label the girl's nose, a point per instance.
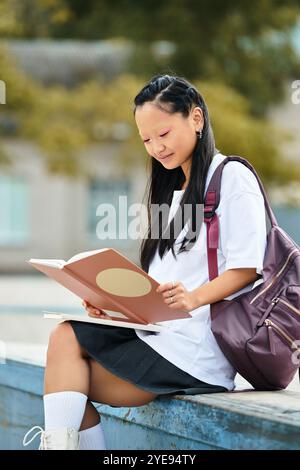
(160, 150)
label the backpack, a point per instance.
(258, 331)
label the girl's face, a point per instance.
(169, 138)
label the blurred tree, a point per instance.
(37, 18)
(64, 122)
(237, 132)
(247, 44)
(21, 93)
(9, 23)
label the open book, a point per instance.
(111, 282)
(102, 321)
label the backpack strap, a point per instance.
(211, 202)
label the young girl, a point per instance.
(124, 367)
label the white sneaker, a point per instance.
(55, 439)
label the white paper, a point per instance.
(102, 321)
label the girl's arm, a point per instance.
(224, 285)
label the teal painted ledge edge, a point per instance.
(216, 420)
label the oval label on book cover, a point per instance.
(123, 282)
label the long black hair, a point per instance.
(173, 94)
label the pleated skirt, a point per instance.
(124, 354)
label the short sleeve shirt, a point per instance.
(189, 343)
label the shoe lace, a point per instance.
(44, 442)
(40, 431)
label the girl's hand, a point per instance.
(93, 311)
(177, 297)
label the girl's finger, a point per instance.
(104, 315)
(101, 314)
(90, 311)
(93, 315)
(98, 315)
(96, 311)
(93, 312)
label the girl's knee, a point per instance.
(62, 339)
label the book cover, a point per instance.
(108, 280)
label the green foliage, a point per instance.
(21, 90)
(32, 18)
(238, 132)
(247, 44)
(64, 122)
(21, 94)
(9, 23)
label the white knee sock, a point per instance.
(64, 409)
(92, 438)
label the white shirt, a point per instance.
(189, 343)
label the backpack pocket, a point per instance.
(274, 328)
(286, 305)
(275, 346)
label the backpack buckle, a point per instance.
(209, 212)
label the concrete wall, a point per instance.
(238, 420)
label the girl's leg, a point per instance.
(67, 366)
(109, 389)
(91, 417)
(71, 377)
(91, 432)
(66, 381)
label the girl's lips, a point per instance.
(164, 158)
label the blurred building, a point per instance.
(46, 216)
(69, 62)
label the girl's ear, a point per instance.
(198, 119)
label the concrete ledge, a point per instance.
(236, 420)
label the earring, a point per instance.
(199, 134)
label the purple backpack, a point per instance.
(258, 331)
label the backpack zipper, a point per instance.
(272, 305)
(267, 312)
(294, 309)
(270, 324)
(275, 277)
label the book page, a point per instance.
(111, 313)
(56, 263)
(84, 254)
(102, 321)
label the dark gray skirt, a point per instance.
(124, 354)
